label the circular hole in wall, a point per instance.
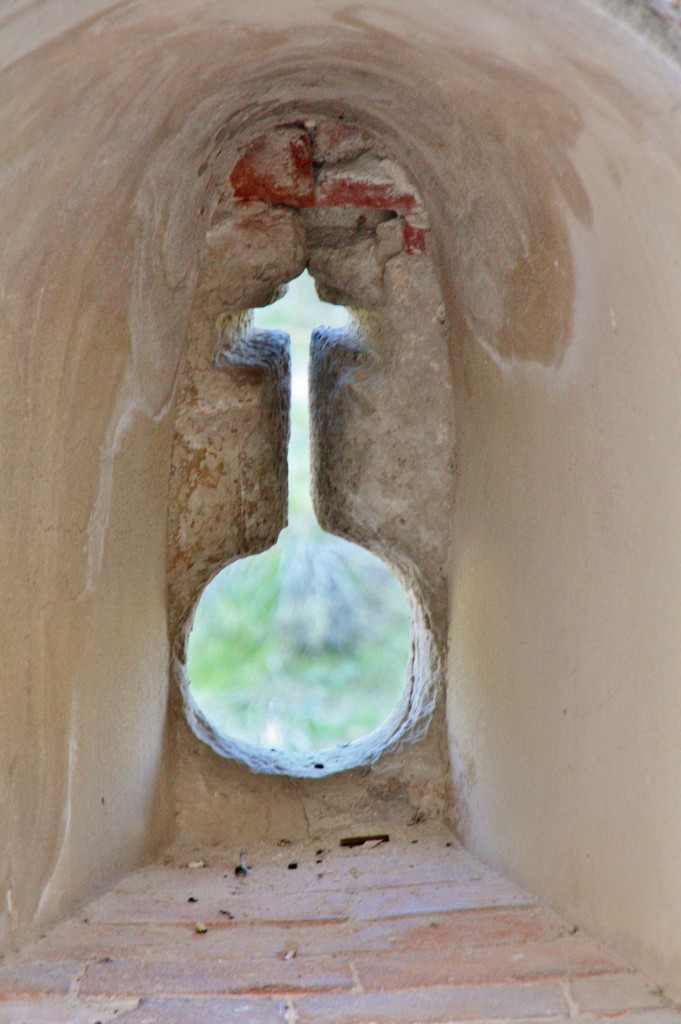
(304, 647)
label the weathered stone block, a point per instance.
(335, 141)
(366, 182)
(248, 254)
(228, 493)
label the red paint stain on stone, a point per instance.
(413, 239)
(276, 168)
(345, 191)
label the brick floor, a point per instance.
(401, 933)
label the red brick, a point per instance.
(435, 1005)
(414, 239)
(412, 918)
(60, 1012)
(215, 977)
(77, 941)
(246, 906)
(615, 993)
(457, 928)
(670, 1015)
(347, 870)
(271, 894)
(206, 1011)
(427, 899)
(173, 942)
(459, 964)
(276, 168)
(21, 978)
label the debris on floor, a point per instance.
(361, 840)
(242, 869)
(374, 942)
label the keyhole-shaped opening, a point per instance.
(322, 194)
(305, 646)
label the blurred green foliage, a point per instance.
(305, 646)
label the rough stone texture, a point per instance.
(334, 140)
(365, 183)
(221, 505)
(250, 250)
(414, 930)
(382, 466)
(346, 265)
(229, 473)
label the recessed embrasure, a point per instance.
(305, 646)
(324, 195)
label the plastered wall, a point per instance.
(564, 699)
(544, 140)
